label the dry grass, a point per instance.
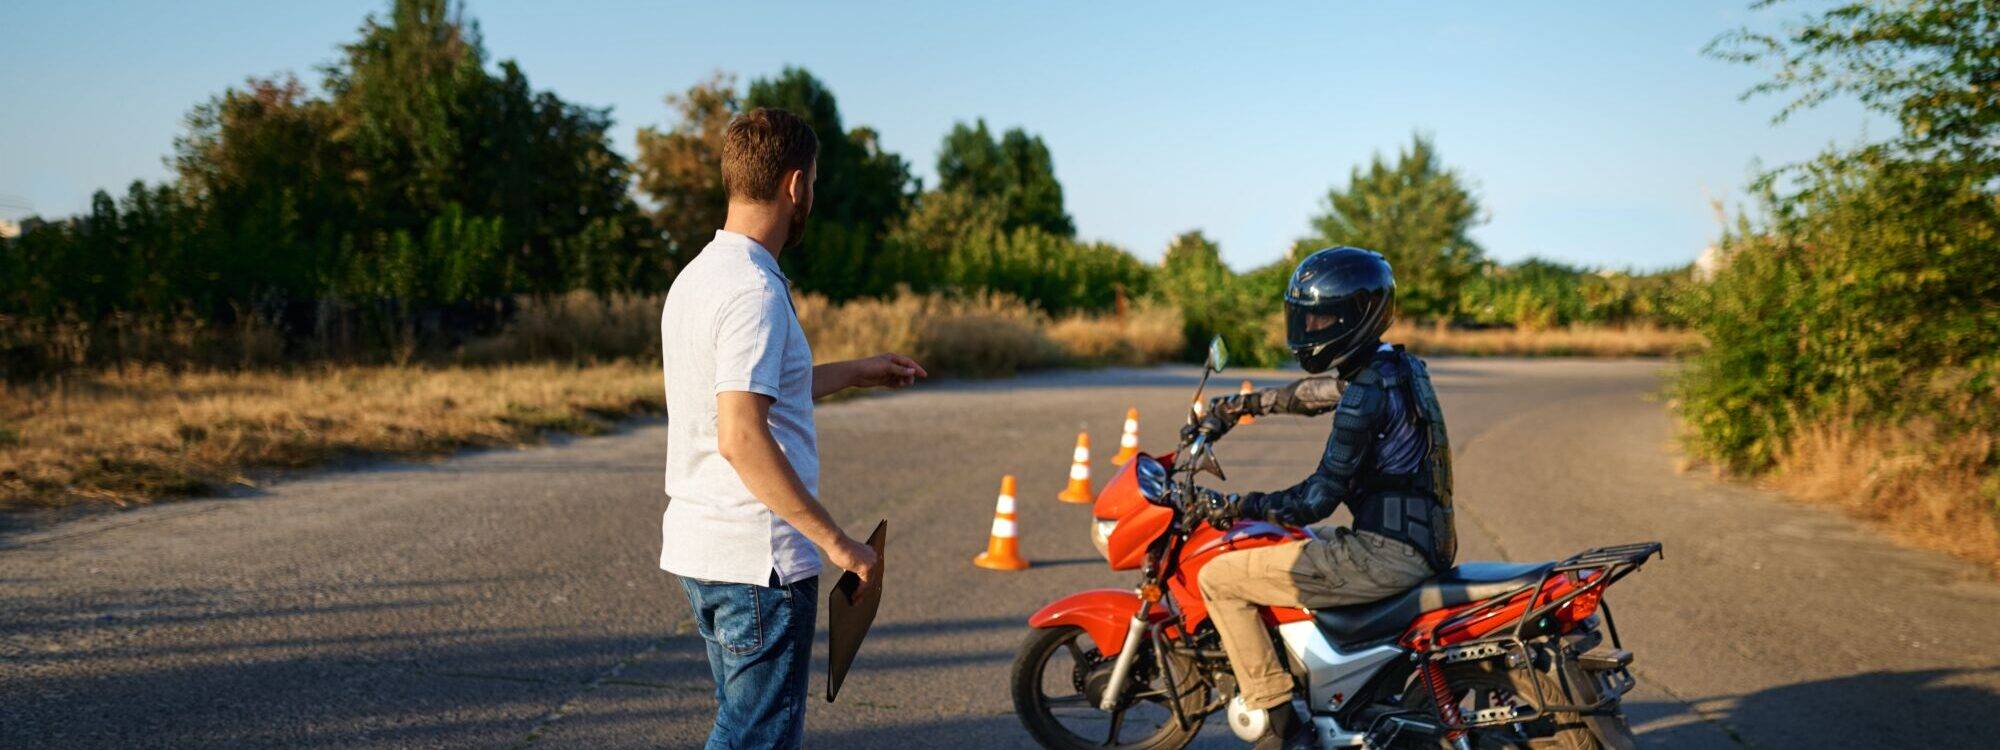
(1932, 488)
(985, 335)
(975, 336)
(575, 327)
(978, 336)
(1574, 341)
(131, 437)
(1150, 333)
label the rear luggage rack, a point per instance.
(1609, 565)
(1632, 555)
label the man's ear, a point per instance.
(795, 186)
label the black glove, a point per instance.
(1218, 510)
(1217, 419)
(1251, 506)
(1233, 406)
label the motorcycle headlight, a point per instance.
(1100, 537)
(1152, 480)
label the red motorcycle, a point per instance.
(1485, 655)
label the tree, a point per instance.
(545, 169)
(1418, 214)
(421, 184)
(1016, 171)
(397, 91)
(1214, 301)
(681, 168)
(862, 189)
(272, 182)
(1933, 65)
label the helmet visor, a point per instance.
(1306, 325)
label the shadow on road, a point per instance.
(1925, 708)
(299, 668)
(389, 664)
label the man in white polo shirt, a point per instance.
(744, 525)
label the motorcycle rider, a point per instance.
(1387, 459)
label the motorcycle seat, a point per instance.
(1469, 582)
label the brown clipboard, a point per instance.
(847, 619)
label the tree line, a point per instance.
(418, 192)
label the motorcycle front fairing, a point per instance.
(1137, 522)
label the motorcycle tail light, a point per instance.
(1582, 607)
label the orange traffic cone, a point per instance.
(1003, 547)
(1245, 391)
(1079, 474)
(1128, 443)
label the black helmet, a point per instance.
(1337, 305)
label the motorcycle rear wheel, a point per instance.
(1038, 709)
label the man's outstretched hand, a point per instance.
(887, 371)
(859, 559)
(879, 371)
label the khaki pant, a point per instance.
(1346, 567)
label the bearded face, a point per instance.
(796, 231)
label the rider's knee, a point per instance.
(1217, 577)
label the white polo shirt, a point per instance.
(728, 325)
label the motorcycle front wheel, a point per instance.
(1058, 677)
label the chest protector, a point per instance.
(1416, 507)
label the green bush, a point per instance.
(1216, 301)
(1538, 294)
(955, 241)
(1872, 291)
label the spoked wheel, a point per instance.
(1059, 677)
(1484, 685)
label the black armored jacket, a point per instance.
(1388, 458)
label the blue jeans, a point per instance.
(760, 652)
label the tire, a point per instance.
(1037, 708)
(1563, 729)
(1611, 731)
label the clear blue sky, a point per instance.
(1590, 130)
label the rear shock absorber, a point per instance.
(1447, 704)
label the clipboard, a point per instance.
(847, 620)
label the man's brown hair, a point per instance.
(762, 145)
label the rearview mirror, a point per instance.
(1218, 355)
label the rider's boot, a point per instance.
(1284, 731)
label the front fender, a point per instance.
(1104, 614)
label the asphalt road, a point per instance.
(510, 598)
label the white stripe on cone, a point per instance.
(1079, 471)
(1003, 528)
(1082, 454)
(1006, 504)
